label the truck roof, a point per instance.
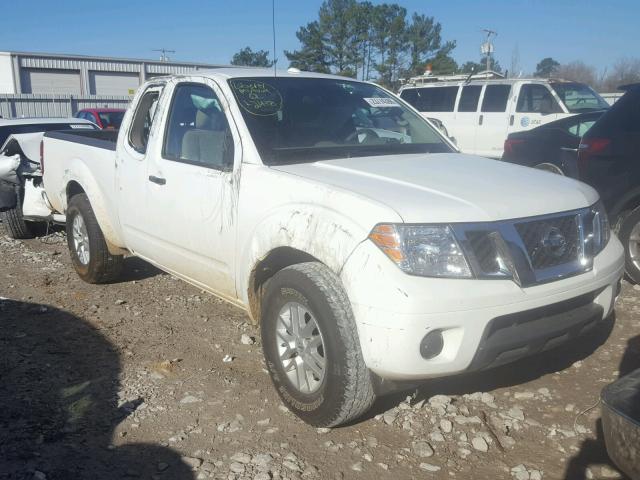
(4, 122)
(238, 72)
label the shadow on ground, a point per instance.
(137, 269)
(58, 391)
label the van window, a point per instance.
(197, 129)
(142, 121)
(495, 98)
(535, 98)
(431, 99)
(469, 98)
(578, 97)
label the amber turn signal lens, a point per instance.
(387, 239)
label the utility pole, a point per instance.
(163, 53)
(487, 47)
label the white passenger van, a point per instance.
(479, 111)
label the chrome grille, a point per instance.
(530, 251)
(484, 250)
(552, 241)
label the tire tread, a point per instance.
(359, 394)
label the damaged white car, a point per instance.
(23, 207)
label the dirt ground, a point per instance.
(128, 380)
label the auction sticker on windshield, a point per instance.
(258, 98)
(381, 102)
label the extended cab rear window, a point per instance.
(431, 99)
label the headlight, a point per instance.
(425, 250)
(600, 230)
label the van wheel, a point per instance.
(628, 230)
(89, 253)
(311, 346)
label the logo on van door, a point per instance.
(524, 121)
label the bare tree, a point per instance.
(623, 72)
(578, 71)
(515, 68)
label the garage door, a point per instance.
(50, 81)
(112, 83)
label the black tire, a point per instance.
(624, 225)
(346, 390)
(14, 223)
(102, 267)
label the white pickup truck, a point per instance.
(369, 250)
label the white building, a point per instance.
(80, 75)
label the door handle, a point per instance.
(480, 118)
(511, 120)
(157, 180)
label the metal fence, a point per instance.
(53, 105)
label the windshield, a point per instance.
(111, 119)
(579, 97)
(295, 120)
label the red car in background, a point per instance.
(105, 118)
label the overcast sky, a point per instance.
(597, 32)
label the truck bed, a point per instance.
(106, 139)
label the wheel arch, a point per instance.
(629, 201)
(265, 268)
(89, 187)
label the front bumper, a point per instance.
(483, 323)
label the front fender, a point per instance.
(324, 233)
(106, 215)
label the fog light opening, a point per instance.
(431, 345)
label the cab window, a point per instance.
(496, 98)
(535, 98)
(142, 121)
(469, 98)
(197, 129)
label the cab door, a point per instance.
(535, 106)
(463, 128)
(131, 161)
(492, 120)
(192, 190)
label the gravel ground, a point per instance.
(152, 378)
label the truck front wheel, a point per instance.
(311, 346)
(89, 253)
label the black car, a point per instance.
(552, 146)
(609, 161)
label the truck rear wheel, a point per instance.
(14, 223)
(311, 346)
(89, 253)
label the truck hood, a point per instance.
(450, 187)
